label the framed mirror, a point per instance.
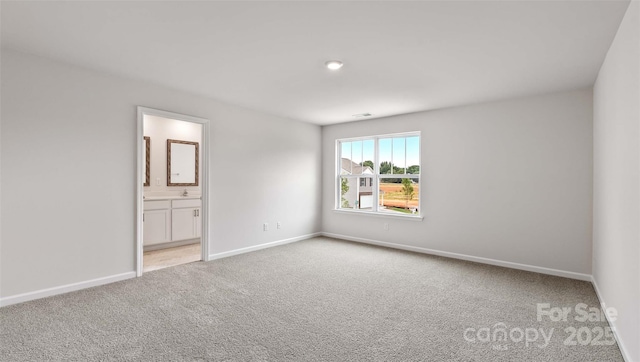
(182, 163)
(146, 149)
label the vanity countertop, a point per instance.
(154, 198)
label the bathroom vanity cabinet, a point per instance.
(171, 220)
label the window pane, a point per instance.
(399, 195)
(399, 161)
(356, 157)
(368, 156)
(365, 194)
(384, 151)
(356, 193)
(348, 192)
(413, 155)
(398, 165)
(345, 154)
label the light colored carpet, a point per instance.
(314, 300)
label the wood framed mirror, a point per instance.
(147, 161)
(182, 163)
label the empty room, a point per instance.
(320, 180)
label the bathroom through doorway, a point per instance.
(172, 190)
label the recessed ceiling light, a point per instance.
(333, 64)
(363, 115)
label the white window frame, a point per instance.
(377, 177)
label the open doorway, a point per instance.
(172, 195)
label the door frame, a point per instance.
(204, 172)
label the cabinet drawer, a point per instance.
(186, 203)
(157, 205)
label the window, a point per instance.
(363, 182)
(379, 174)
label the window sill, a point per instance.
(381, 214)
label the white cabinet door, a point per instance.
(157, 226)
(185, 224)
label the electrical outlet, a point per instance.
(279, 225)
(386, 226)
(158, 181)
(265, 227)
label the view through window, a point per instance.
(380, 174)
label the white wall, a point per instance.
(616, 229)
(508, 181)
(158, 130)
(68, 132)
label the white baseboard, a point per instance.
(623, 350)
(25, 297)
(261, 246)
(114, 278)
(19, 298)
(477, 259)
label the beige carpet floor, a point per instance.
(314, 300)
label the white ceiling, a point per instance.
(399, 57)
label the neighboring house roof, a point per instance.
(349, 167)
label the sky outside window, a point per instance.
(413, 151)
(384, 151)
(367, 151)
(399, 159)
(403, 152)
(356, 152)
(345, 152)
